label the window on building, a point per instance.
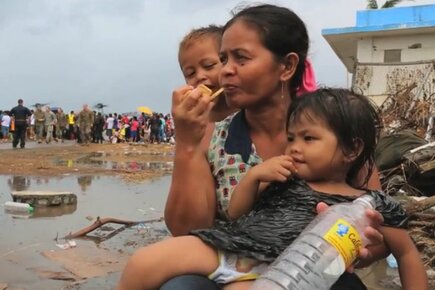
(392, 55)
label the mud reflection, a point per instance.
(23, 183)
(54, 211)
(115, 165)
(18, 183)
(84, 181)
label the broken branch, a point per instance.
(421, 205)
(102, 221)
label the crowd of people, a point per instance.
(46, 125)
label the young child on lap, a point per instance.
(331, 135)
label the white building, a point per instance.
(389, 51)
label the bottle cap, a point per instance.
(367, 200)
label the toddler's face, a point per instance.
(314, 149)
(200, 63)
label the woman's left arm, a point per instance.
(376, 249)
(411, 269)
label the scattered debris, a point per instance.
(54, 275)
(408, 160)
(44, 198)
(422, 227)
(69, 244)
(101, 221)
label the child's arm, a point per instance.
(412, 272)
(247, 191)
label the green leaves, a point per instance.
(373, 4)
(391, 3)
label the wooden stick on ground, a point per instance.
(102, 221)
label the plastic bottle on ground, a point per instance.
(322, 252)
(18, 207)
(392, 262)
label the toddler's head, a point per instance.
(198, 56)
(351, 117)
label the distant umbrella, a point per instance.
(145, 110)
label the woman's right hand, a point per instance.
(190, 110)
(191, 204)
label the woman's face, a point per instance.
(250, 74)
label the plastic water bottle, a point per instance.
(392, 262)
(322, 252)
(18, 207)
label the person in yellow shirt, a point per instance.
(71, 118)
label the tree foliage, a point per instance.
(373, 4)
(390, 3)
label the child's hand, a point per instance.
(278, 168)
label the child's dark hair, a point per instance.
(281, 32)
(213, 31)
(353, 119)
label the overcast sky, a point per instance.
(123, 53)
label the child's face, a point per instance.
(315, 151)
(200, 63)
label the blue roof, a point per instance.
(376, 20)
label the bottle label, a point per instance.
(345, 239)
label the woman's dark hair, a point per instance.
(353, 119)
(281, 32)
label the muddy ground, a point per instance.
(95, 159)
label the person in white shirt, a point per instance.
(6, 123)
(109, 126)
(32, 126)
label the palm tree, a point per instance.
(373, 4)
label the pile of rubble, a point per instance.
(409, 174)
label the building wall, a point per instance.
(379, 80)
(372, 49)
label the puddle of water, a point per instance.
(101, 154)
(23, 238)
(116, 165)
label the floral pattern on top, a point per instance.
(229, 168)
